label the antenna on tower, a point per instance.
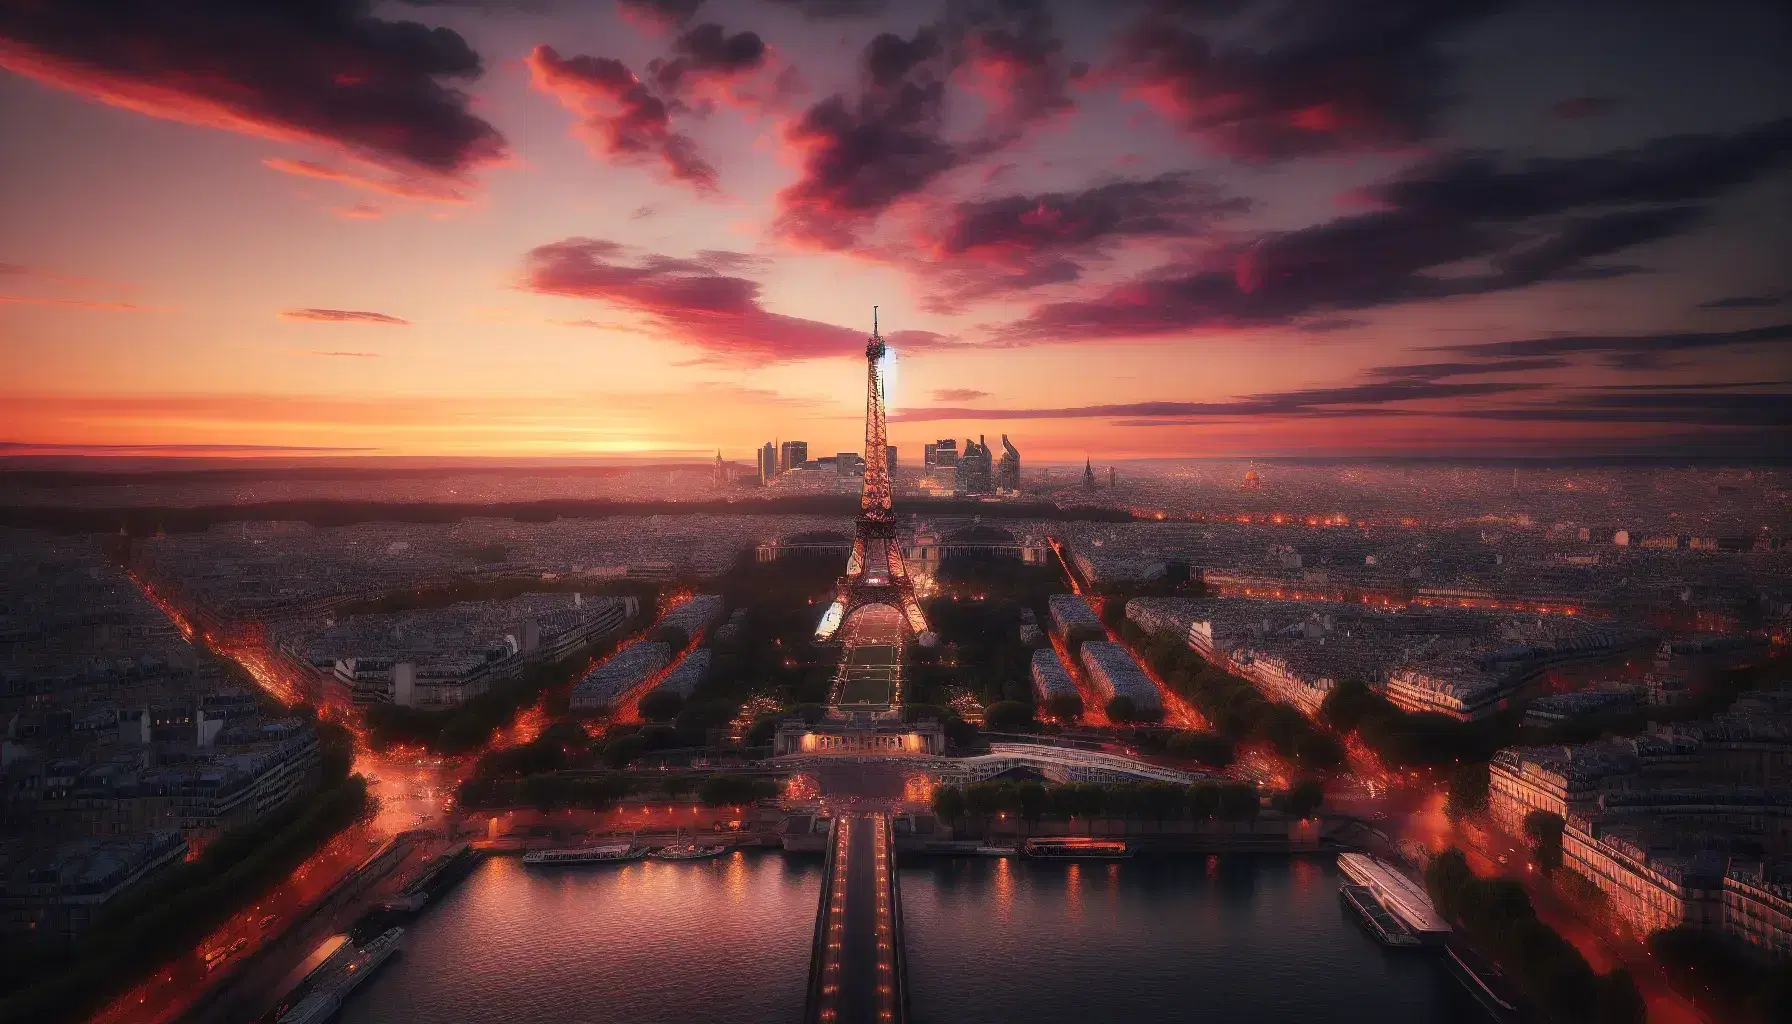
(874, 321)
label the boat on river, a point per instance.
(1076, 848)
(601, 853)
(689, 851)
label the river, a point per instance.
(727, 942)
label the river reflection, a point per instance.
(724, 941)
(1235, 938)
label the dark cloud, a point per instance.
(1299, 77)
(340, 316)
(1463, 224)
(821, 10)
(660, 13)
(1624, 351)
(325, 72)
(1438, 371)
(1014, 242)
(860, 155)
(708, 53)
(1685, 405)
(1353, 399)
(620, 117)
(1765, 301)
(1581, 108)
(696, 301)
(1015, 51)
(1331, 324)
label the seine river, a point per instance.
(727, 942)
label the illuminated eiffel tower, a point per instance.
(875, 574)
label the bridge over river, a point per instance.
(856, 969)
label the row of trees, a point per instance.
(1209, 748)
(1498, 917)
(1233, 705)
(177, 908)
(551, 791)
(1723, 971)
(1156, 801)
(1403, 739)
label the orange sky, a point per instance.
(650, 248)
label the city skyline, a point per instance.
(653, 229)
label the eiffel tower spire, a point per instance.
(874, 502)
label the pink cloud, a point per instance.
(619, 116)
(696, 301)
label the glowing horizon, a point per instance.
(603, 233)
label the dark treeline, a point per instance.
(979, 632)
(1154, 801)
(1498, 917)
(1725, 975)
(551, 791)
(1234, 706)
(173, 910)
(142, 521)
(1404, 739)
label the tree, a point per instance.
(1347, 704)
(1065, 707)
(1468, 791)
(948, 803)
(763, 729)
(982, 799)
(1619, 1000)
(1239, 802)
(1008, 715)
(1202, 801)
(1544, 830)
(1033, 801)
(1208, 748)
(1301, 799)
(660, 706)
(623, 749)
(722, 790)
(1122, 709)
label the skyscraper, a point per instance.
(792, 454)
(974, 468)
(890, 458)
(1008, 470)
(768, 463)
(1088, 475)
(944, 453)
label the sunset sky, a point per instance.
(1123, 229)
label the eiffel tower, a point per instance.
(874, 571)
